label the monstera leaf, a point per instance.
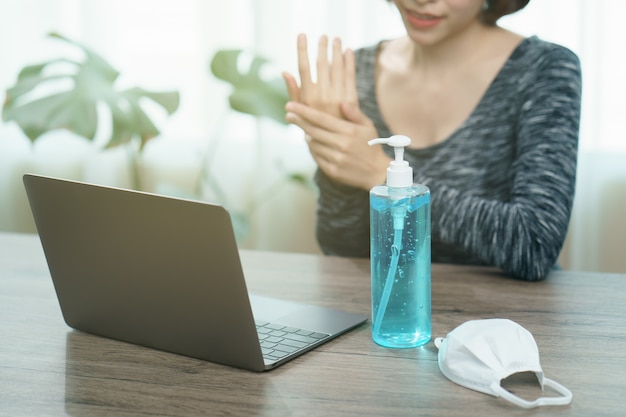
(91, 82)
(251, 93)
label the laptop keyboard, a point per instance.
(278, 341)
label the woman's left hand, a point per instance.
(335, 79)
(328, 112)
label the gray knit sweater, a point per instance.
(502, 185)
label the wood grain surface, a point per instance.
(48, 369)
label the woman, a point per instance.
(493, 118)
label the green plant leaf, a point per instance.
(168, 100)
(251, 93)
(57, 111)
(91, 82)
(302, 179)
(31, 76)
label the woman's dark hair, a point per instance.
(495, 9)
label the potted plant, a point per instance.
(257, 96)
(92, 81)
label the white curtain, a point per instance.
(167, 44)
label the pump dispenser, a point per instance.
(399, 173)
(400, 254)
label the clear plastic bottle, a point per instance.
(400, 255)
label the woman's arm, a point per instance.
(328, 112)
(524, 235)
(337, 133)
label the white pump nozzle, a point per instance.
(399, 173)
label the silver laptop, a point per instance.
(165, 273)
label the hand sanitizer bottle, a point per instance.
(400, 254)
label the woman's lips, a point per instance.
(422, 21)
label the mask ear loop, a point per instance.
(566, 395)
(438, 341)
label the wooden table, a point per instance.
(47, 369)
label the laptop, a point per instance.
(165, 273)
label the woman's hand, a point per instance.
(335, 79)
(328, 112)
(339, 145)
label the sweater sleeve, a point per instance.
(342, 218)
(343, 211)
(524, 235)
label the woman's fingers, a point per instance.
(304, 68)
(315, 122)
(339, 145)
(292, 86)
(349, 78)
(337, 71)
(323, 75)
(311, 130)
(335, 82)
(352, 113)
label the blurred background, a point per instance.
(257, 166)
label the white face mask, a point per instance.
(479, 354)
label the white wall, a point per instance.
(167, 44)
